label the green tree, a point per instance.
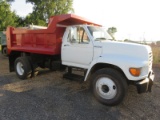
(43, 9)
(112, 31)
(10, 1)
(34, 18)
(7, 17)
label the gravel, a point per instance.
(50, 97)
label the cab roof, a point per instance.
(69, 19)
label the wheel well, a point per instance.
(104, 65)
(12, 57)
(40, 59)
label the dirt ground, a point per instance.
(50, 97)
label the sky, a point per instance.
(134, 19)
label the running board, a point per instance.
(72, 76)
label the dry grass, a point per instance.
(156, 55)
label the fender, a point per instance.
(123, 62)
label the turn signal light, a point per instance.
(135, 71)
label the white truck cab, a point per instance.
(110, 65)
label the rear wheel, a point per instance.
(4, 51)
(35, 70)
(109, 86)
(23, 68)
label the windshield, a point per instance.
(99, 33)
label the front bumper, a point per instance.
(146, 84)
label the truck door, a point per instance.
(77, 48)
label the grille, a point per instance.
(150, 59)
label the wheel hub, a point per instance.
(106, 88)
(20, 68)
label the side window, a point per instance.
(78, 35)
(72, 37)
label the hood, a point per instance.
(125, 49)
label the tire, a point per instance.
(34, 67)
(109, 86)
(23, 68)
(35, 70)
(4, 51)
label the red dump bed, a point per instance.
(42, 41)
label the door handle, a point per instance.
(98, 46)
(66, 45)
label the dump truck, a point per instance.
(76, 43)
(3, 43)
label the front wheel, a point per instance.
(22, 67)
(109, 86)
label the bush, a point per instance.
(156, 55)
